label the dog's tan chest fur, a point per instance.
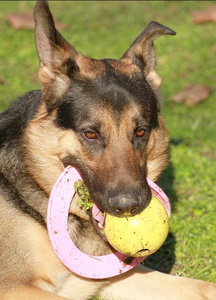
(36, 259)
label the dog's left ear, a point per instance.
(56, 55)
(142, 53)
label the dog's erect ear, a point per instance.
(141, 52)
(56, 55)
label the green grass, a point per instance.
(105, 29)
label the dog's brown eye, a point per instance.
(91, 135)
(140, 132)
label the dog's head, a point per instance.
(100, 116)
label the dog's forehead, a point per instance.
(93, 68)
(106, 88)
(114, 81)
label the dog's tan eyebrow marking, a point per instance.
(90, 125)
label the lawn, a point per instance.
(106, 29)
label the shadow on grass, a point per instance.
(164, 259)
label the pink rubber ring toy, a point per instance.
(96, 267)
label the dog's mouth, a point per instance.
(99, 228)
(88, 211)
(98, 220)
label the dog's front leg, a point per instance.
(144, 284)
(27, 293)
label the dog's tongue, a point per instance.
(97, 214)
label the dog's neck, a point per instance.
(41, 146)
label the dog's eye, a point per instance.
(91, 135)
(140, 132)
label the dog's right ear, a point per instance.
(56, 55)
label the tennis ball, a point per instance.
(139, 235)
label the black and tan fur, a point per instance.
(101, 116)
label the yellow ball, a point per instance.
(139, 235)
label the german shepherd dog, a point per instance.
(102, 117)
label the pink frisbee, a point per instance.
(96, 267)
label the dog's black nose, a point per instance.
(125, 204)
